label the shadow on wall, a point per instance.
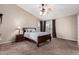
(11, 37)
(60, 35)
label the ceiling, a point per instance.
(58, 10)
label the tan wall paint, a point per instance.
(78, 28)
(12, 18)
(66, 27)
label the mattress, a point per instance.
(34, 35)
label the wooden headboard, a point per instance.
(24, 29)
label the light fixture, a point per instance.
(44, 9)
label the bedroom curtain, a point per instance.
(54, 28)
(1, 18)
(42, 26)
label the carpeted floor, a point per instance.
(55, 47)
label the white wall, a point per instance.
(66, 27)
(13, 16)
(78, 28)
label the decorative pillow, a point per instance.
(33, 30)
(30, 30)
(26, 30)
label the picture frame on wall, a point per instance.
(1, 18)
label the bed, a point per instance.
(37, 37)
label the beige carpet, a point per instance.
(55, 47)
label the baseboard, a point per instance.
(67, 39)
(6, 42)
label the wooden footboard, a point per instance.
(41, 39)
(44, 38)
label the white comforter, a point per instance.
(34, 35)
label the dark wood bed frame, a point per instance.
(41, 39)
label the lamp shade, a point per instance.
(19, 27)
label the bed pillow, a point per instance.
(30, 30)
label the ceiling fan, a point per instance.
(44, 9)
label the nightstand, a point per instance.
(19, 38)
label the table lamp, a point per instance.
(18, 28)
